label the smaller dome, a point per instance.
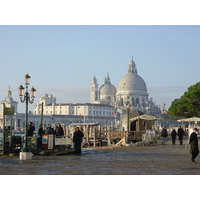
(107, 88)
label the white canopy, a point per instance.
(191, 119)
(146, 117)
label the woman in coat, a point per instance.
(164, 135)
(194, 148)
(77, 139)
(180, 135)
(59, 130)
(173, 135)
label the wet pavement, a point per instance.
(141, 160)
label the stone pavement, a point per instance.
(148, 160)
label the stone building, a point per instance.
(8, 103)
(65, 113)
(131, 88)
(89, 111)
(106, 94)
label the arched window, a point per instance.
(133, 102)
(137, 102)
(143, 102)
(121, 102)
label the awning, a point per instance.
(191, 119)
(146, 117)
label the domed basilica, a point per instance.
(131, 89)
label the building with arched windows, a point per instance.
(131, 90)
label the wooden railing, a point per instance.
(136, 135)
(116, 135)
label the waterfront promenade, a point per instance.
(140, 160)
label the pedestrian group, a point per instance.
(193, 140)
(59, 132)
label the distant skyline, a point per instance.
(62, 60)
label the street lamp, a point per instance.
(164, 112)
(26, 97)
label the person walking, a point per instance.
(194, 148)
(59, 130)
(173, 135)
(180, 135)
(164, 135)
(77, 139)
(40, 130)
(40, 133)
(49, 130)
(31, 128)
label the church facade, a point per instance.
(131, 90)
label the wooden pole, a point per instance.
(41, 116)
(108, 136)
(94, 145)
(86, 133)
(66, 131)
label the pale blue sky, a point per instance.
(62, 60)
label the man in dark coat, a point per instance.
(173, 135)
(194, 148)
(59, 130)
(77, 139)
(49, 130)
(164, 135)
(180, 135)
(31, 128)
(40, 133)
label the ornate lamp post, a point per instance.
(164, 112)
(27, 98)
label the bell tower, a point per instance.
(94, 90)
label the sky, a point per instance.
(63, 59)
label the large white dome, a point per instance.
(132, 82)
